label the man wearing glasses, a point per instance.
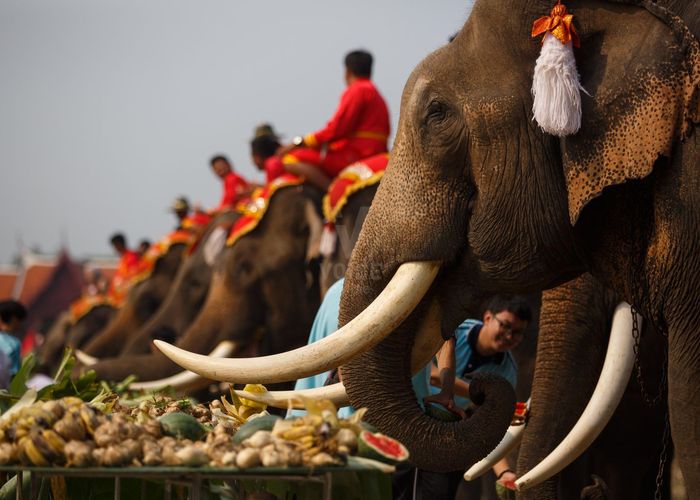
(476, 347)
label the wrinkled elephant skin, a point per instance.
(574, 327)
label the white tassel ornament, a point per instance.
(556, 84)
(328, 240)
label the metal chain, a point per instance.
(636, 335)
(663, 457)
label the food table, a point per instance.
(358, 479)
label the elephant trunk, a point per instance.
(393, 408)
(202, 337)
(109, 341)
(574, 323)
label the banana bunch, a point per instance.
(242, 409)
(37, 434)
(312, 435)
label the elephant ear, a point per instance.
(643, 78)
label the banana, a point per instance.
(87, 415)
(70, 401)
(54, 441)
(43, 447)
(297, 432)
(304, 440)
(31, 454)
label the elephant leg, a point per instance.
(684, 409)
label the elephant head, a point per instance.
(64, 333)
(260, 290)
(474, 185)
(143, 300)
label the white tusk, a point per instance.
(284, 399)
(510, 440)
(612, 383)
(428, 342)
(186, 380)
(85, 358)
(400, 296)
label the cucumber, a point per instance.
(182, 425)
(265, 423)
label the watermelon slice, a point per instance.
(377, 446)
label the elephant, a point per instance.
(261, 285)
(347, 228)
(143, 300)
(574, 325)
(508, 208)
(188, 290)
(64, 333)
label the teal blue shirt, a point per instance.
(12, 347)
(504, 365)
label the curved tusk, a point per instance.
(398, 299)
(85, 358)
(284, 399)
(428, 342)
(510, 440)
(187, 379)
(612, 383)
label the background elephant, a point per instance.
(507, 208)
(347, 228)
(143, 300)
(574, 328)
(188, 290)
(261, 289)
(64, 333)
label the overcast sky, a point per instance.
(111, 108)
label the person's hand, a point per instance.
(283, 150)
(446, 401)
(507, 479)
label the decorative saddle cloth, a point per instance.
(81, 307)
(158, 250)
(349, 181)
(253, 209)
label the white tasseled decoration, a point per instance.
(556, 88)
(328, 241)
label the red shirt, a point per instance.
(234, 184)
(360, 122)
(128, 263)
(273, 168)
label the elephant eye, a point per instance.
(436, 110)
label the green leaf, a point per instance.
(18, 386)
(63, 365)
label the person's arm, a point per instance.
(446, 379)
(344, 120)
(311, 174)
(461, 387)
(341, 125)
(504, 474)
